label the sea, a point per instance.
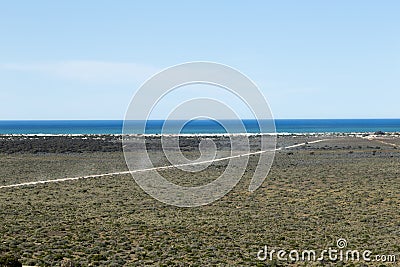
(52, 127)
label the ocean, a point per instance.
(199, 126)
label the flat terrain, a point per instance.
(344, 187)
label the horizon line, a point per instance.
(383, 118)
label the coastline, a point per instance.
(356, 134)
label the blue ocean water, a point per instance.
(199, 126)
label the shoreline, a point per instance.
(361, 134)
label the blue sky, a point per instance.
(311, 59)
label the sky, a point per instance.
(310, 59)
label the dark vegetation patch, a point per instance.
(59, 144)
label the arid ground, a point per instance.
(344, 187)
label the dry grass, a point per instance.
(312, 197)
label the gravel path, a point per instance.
(151, 169)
